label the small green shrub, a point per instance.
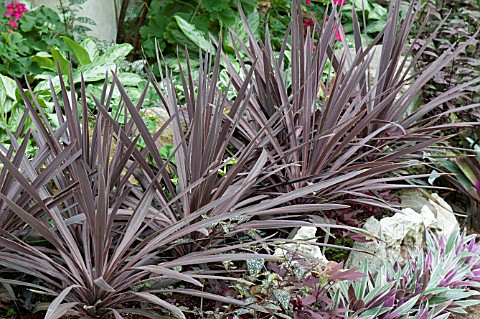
(38, 30)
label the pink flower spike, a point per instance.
(338, 36)
(340, 2)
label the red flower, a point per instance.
(307, 23)
(15, 11)
(340, 2)
(338, 36)
(308, 1)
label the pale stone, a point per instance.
(304, 234)
(415, 199)
(428, 218)
(377, 250)
(402, 232)
(447, 221)
(373, 69)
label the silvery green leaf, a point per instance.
(255, 266)
(283, 296)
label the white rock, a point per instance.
(377, 248)
(446, 219)
(402, 232)
(304, 234)
(428, 217)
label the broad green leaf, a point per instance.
(375, 26)
(116, 53)
(58, 56)
(78, 51)
(7, 94)
(166, 151)
(44, 61)
(44, 86)
(94, 71)
(91, 47)
(192, 33)
(377, 13)
(8, 87)
(16, 114)
(129, 79)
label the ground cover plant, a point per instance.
(434, 283)
(106, 220)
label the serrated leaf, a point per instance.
(215, 5)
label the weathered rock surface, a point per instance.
(304, 234)
(447, 221)
(403, 232)
(378, 249)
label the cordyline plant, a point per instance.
(351, 122)
(75, 225)
(72, 220)
(433, 284)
